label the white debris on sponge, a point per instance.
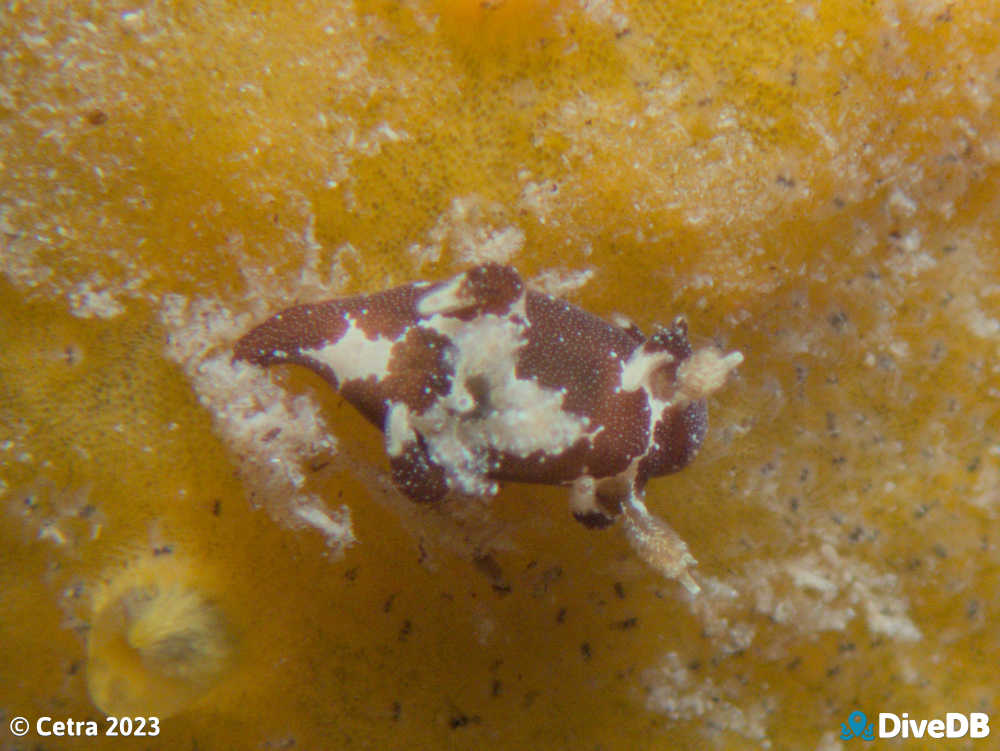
(475, 230)
(817, 592)
(270, 433)
(679, 693)
(820, 591)
(336, 527)
(561, 283)
(827, 592)
(87, 302)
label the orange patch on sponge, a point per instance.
(501, 24)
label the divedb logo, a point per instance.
(954, 725)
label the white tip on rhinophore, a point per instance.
(705, 372)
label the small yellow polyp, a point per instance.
(157, 643)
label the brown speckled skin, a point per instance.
(565, 348)
(309, 326)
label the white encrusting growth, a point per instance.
(87, 300)
(354, 357)
(336, 527)
(268, 431)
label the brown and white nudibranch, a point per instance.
(478, 380)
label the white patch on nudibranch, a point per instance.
(698, 376)
(354, 357)
(448, 298)
(638, 370)
(398, 429)
(507, 414)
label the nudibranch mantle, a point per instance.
(478, 380)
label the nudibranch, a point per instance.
(478, 380)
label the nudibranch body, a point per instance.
(478, 380)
